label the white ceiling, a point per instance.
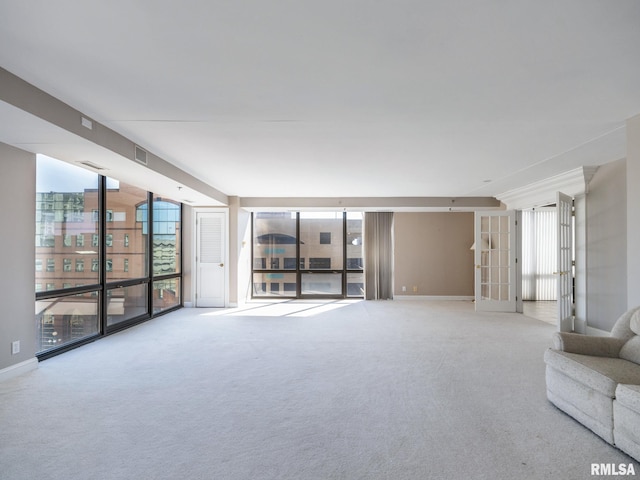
(348, 98)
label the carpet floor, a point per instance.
(304, 390)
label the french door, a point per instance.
(564, 206)
(495, 261)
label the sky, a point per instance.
(56, 176)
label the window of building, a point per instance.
(66, 265)
(79, 265)
(51, 265)
(80, 240)
(319, 263)
(66, 240)
(325, 238)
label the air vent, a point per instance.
(141, 156)
(92, 165)
(86, 123)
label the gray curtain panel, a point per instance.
(378, 255)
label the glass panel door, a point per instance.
(564, 207)
(495, 247)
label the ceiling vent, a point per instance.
(140, 156)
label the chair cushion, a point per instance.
(602, 374)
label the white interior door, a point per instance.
(495, 261)
(210, 259)
(564, 205)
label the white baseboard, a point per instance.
(434, 297)
(18, 369)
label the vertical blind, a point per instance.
(539, 254)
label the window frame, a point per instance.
(300, 270)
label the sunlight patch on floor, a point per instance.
(283, 308)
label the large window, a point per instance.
(307, 254)
(67, 309)
(98, 268)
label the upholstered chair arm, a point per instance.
(588, 345)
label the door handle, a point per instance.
(221, 265)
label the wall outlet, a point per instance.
(404, 289)
(15, 347)
(415, 289)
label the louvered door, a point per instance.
(210, 259)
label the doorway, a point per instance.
(539, 263)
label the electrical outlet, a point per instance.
(415, 289)
(404, 289)
(15, 347)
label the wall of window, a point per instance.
(307, 254)
(98, 268)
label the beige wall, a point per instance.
(18, 197)
(431, 252)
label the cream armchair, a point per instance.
(583, 373)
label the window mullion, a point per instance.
(102, 251)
